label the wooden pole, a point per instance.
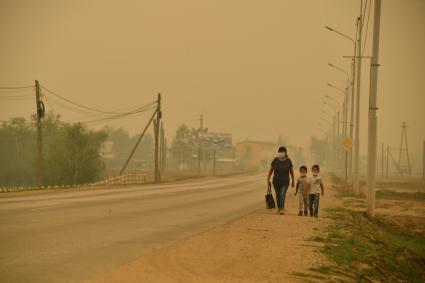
(157, 129)
(39, 114)
(215, 160)
(423, 163)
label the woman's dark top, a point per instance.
(281, 170)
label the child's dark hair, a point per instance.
(282, 149)
(303, 168)
(315, 166)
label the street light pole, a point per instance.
(353, 71)
(343, 128)
(345, 96)
(353, 66)
(344, 105)
(357, 124)
(373, 119)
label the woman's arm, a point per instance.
(292, 176)
(270, 174)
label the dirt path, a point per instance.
(260, 247)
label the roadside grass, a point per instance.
(365, 250)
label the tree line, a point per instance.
(70, 152)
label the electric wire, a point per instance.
(114, 117)
(16, 97)
(52, 98)
(15, 87)
(77, 104)
(98, 116)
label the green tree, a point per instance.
(70, 152)
(18, 152)
(183, 146)
(76, 158)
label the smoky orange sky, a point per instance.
(255, 69)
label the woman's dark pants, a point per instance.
(280, 190)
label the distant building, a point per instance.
(106, 151)
(255, 154)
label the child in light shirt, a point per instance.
(303, 188)
(316, 187)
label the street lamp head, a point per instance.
(330, 64)
(329, 28)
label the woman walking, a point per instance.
(281, 167)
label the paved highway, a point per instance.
(74, 236)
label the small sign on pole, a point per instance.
(346, 143)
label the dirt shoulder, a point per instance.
(260, 247)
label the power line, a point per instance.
(77, 104)
(50, 105)
(70, 107)
(15, 87)
(13, 91)
(115, 117)
(17, 97)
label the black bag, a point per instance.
(269, 198)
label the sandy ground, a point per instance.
(407, 214)
(260, 247)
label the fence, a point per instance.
(125, 179)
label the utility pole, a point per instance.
(423, 164)
(353, 68)
(334, 145)
(408, 168)
(382, 160)
(373, 119)
(388, 156)
(215, 160)
(40, 114)
(357, 124)
(338, 145)
(157, 129)
(163, 149)
(201, 126)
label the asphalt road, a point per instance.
(78, 235)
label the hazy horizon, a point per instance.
(254, 70)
